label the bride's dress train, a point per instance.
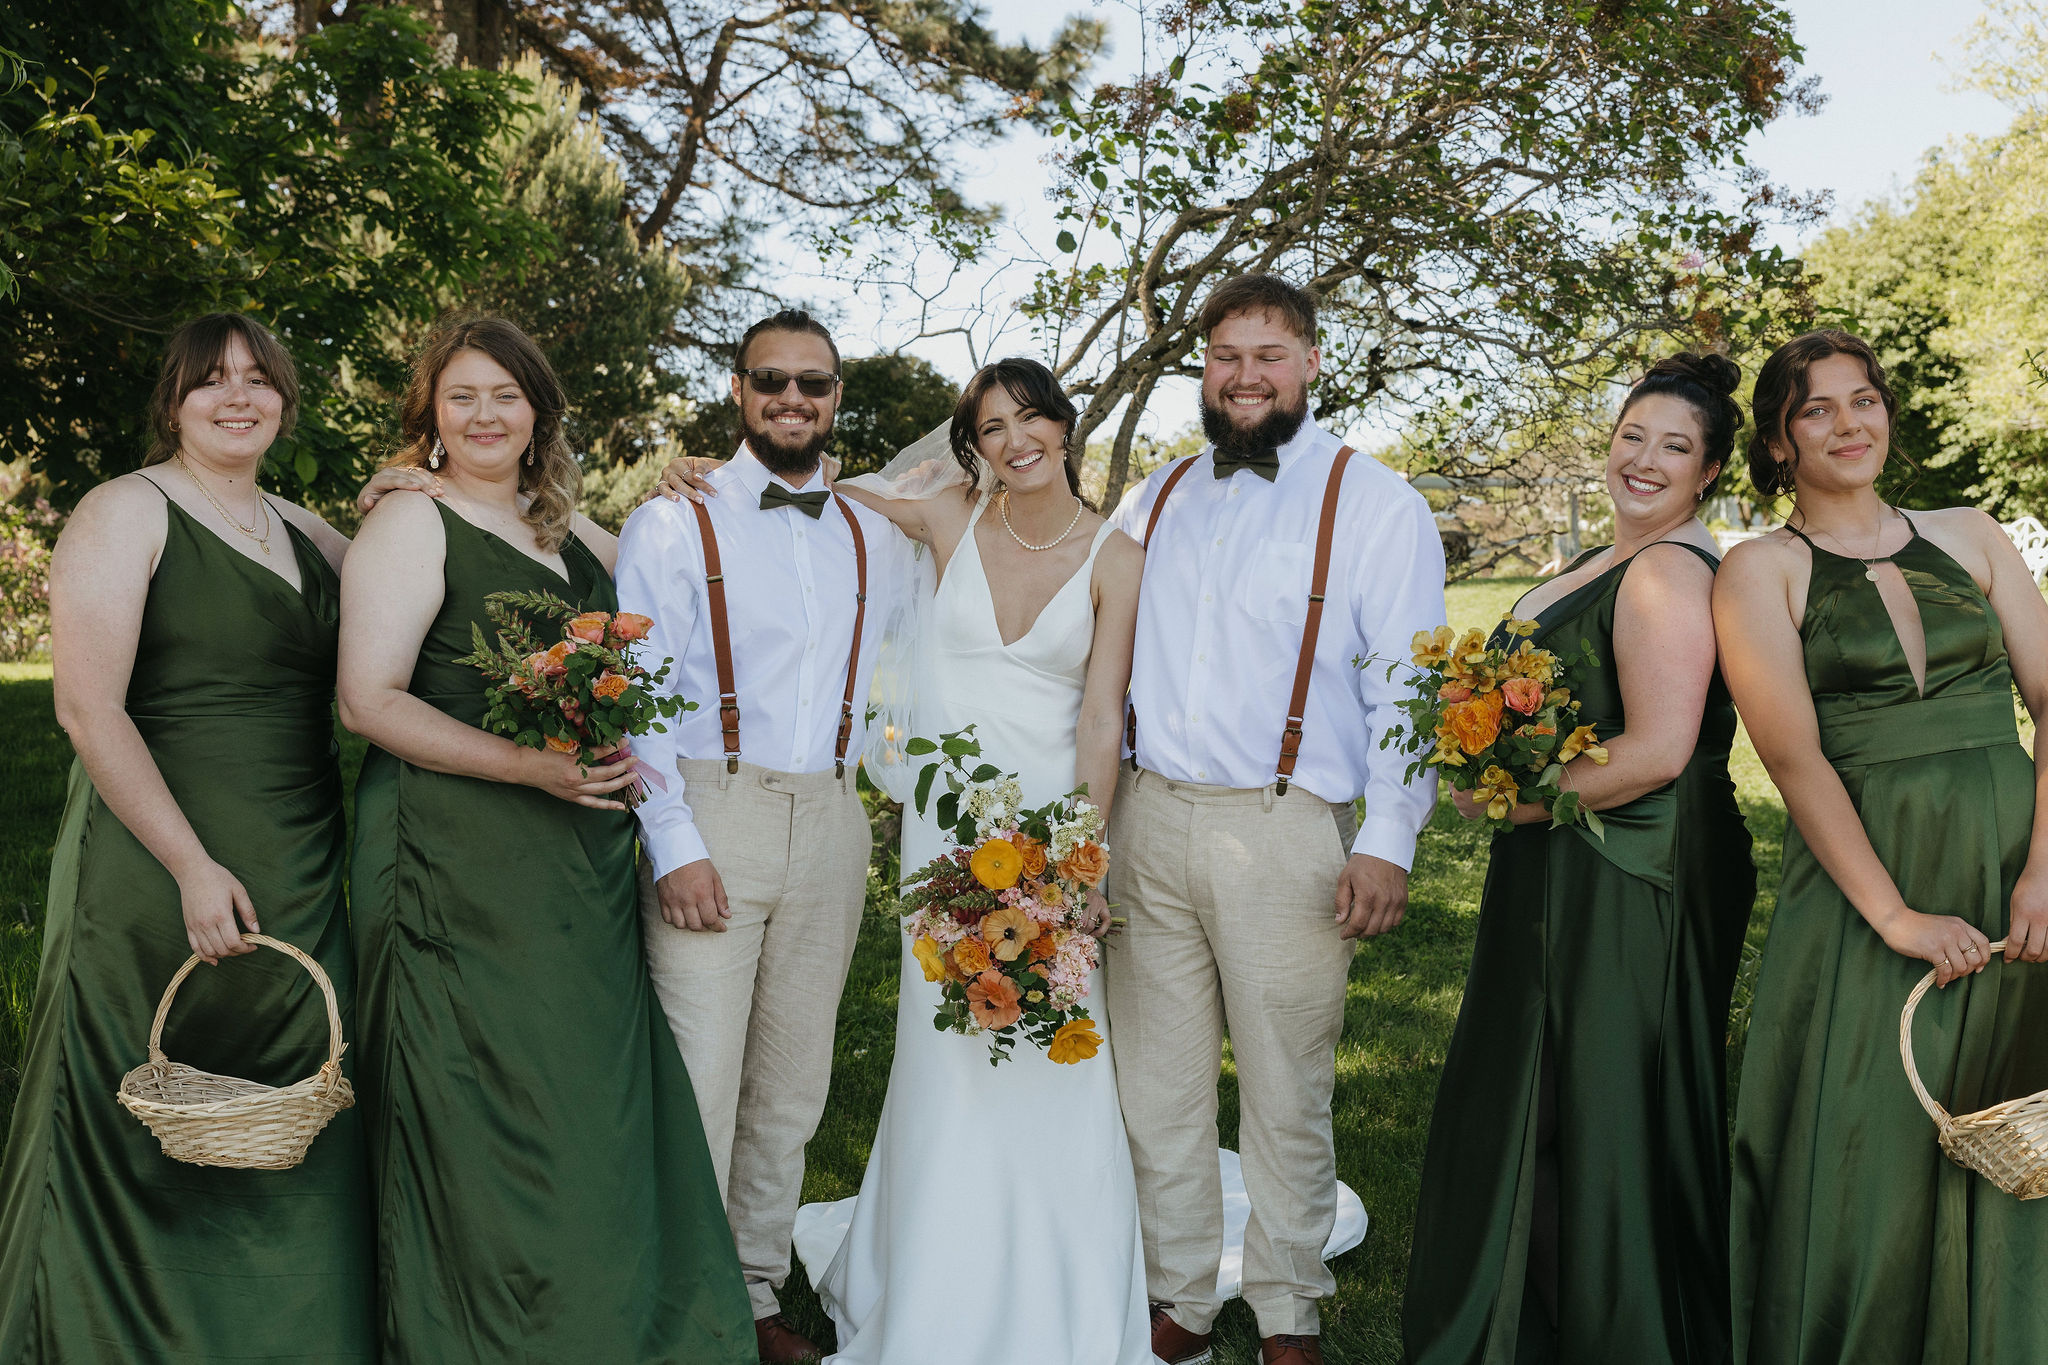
(997, 1221)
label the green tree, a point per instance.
(338, 190)
(890, 401)
(1484, 190)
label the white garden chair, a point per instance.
(2030, 537)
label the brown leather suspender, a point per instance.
(860, 616)
(1312, 625)
(1290, 738)
(721, 636)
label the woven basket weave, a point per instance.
(2007, 1144)
(213, 1120)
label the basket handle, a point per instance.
(163, 1008)
(1927, 1101)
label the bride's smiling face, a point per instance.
(1026, 449)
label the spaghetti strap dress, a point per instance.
(543, 1188)
(1574, 1203)
(1855, 1239)
(109, 1250)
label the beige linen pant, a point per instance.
(1230, 896)
(754, 1008)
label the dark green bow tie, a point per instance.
(1265, 464)
(811, 505)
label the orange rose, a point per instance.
(970, 957)
(589, 627)
(1076, 1041)
(1523, 694)
(1045, 947)
(629, 626)
(997, 864)
(562, 746)
(610, 686)
(1454, 692)
(1087, 864)
(1475, 723)
(1034, 856)
(993, 997)
(557, 659)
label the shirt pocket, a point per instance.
(1276, 582)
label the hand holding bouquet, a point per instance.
(1497, 720)
(584, 694)
(997, 922)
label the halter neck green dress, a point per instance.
(1855, 1239)
(1574, 1202)
(109, 1250)
(543, 1188)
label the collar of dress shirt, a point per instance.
(754, 476)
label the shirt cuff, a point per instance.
(1387, 838)
(670, 849)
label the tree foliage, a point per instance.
(1484, 191)
(1948, 285)
(890, 400)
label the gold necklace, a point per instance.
(1870, 564)
(263, 540)
(1003, 511)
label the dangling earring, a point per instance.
(529, 457)
(434, 458)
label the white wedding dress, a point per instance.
(998, 1220)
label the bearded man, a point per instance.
(1274, 559)
(755, 858)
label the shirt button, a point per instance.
(1202, 773)
(1201, 658)
(1219, 540)
(1208, 597)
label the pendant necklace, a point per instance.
(262, 540)
(1003, 511)
(1869, 565)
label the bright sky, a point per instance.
(1887, 67)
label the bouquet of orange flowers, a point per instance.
(996, 922)
(1497, 720)
(584, 694)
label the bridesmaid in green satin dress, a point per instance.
(542, 1186)
(1574, 1201)
(1873, 654)
(194, 633)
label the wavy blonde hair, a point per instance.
(553, 483)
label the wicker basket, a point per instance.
(213, 1120)
(2007, 1144)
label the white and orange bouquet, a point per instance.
(584, 694)
(1497, 720)
(996, 922)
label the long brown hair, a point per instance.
(194, 352)
(554, 481)
(1782, 387)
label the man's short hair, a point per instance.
(788, 320)
(1293, 306)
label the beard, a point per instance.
(1268, 434)
(779, 453)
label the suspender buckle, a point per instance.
(732, 763)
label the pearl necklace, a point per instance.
(1003, 511)
(263, 540)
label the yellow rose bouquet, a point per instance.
(996, 922)
(1494, 717)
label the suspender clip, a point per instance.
(732, 763)
(839, 767)
(1280, 785)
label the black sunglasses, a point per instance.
(809, 383)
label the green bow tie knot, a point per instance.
(811, 505)
(1265, 464)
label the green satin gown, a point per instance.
(544, 1193)
(109, 1250)
(1574, 1203)
(1855, 1239)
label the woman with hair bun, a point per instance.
(1574, 1199)
(541, 1183)
(1874, 655)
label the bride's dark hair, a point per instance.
(1030, 385)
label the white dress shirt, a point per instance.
(1220, 621)
(789, 600)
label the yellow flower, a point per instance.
(1580, 741)
(1076, 1041)
(930, 957)
(1432, 647)
(1448, 754)
(1522, 628)
(1007, 931)
(1538, 665)
(997, 864)
(1498, 790)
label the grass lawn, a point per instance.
(1403, 1000)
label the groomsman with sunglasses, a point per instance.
(769, 598)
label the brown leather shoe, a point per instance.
(1290, 1350)
(782, 1344)
(1175, 1344)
